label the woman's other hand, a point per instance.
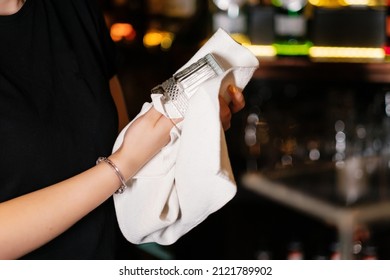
(227, 109)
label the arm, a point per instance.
(117, 95)
(29, 221)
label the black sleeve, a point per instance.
(107, 46)
(84, 23)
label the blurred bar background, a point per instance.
(317, 120)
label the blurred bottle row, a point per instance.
(295, 251)
(302, 127)
(320, 242)
(281, 27)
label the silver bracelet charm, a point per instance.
(117, 172)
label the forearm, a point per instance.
(29, 221)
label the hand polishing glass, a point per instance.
(181, 87)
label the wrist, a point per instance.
(125, 163)
(117, 172)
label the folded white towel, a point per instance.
(191, 177)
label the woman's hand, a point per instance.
(227, 109)
(148, 134)
(144, 138)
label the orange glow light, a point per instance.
(122, 31)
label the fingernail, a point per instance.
(232, 88)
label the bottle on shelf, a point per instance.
(290, 26)
(261, 15)
(230, 15)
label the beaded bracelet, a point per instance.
(117, 172)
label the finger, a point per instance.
(224, 113)
(165, 124)
(152, 116)
(238, 100)
(157, 119)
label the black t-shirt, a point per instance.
(56, 112)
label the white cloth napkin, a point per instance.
(191, 177)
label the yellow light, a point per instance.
(152, 39)
(122, 31)
(166, 42)
(156, 38)
(262, 50)
(346, 53)
(315, 2)
(357, 2)
(342, 3)
(327, 3)
(241, 38)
